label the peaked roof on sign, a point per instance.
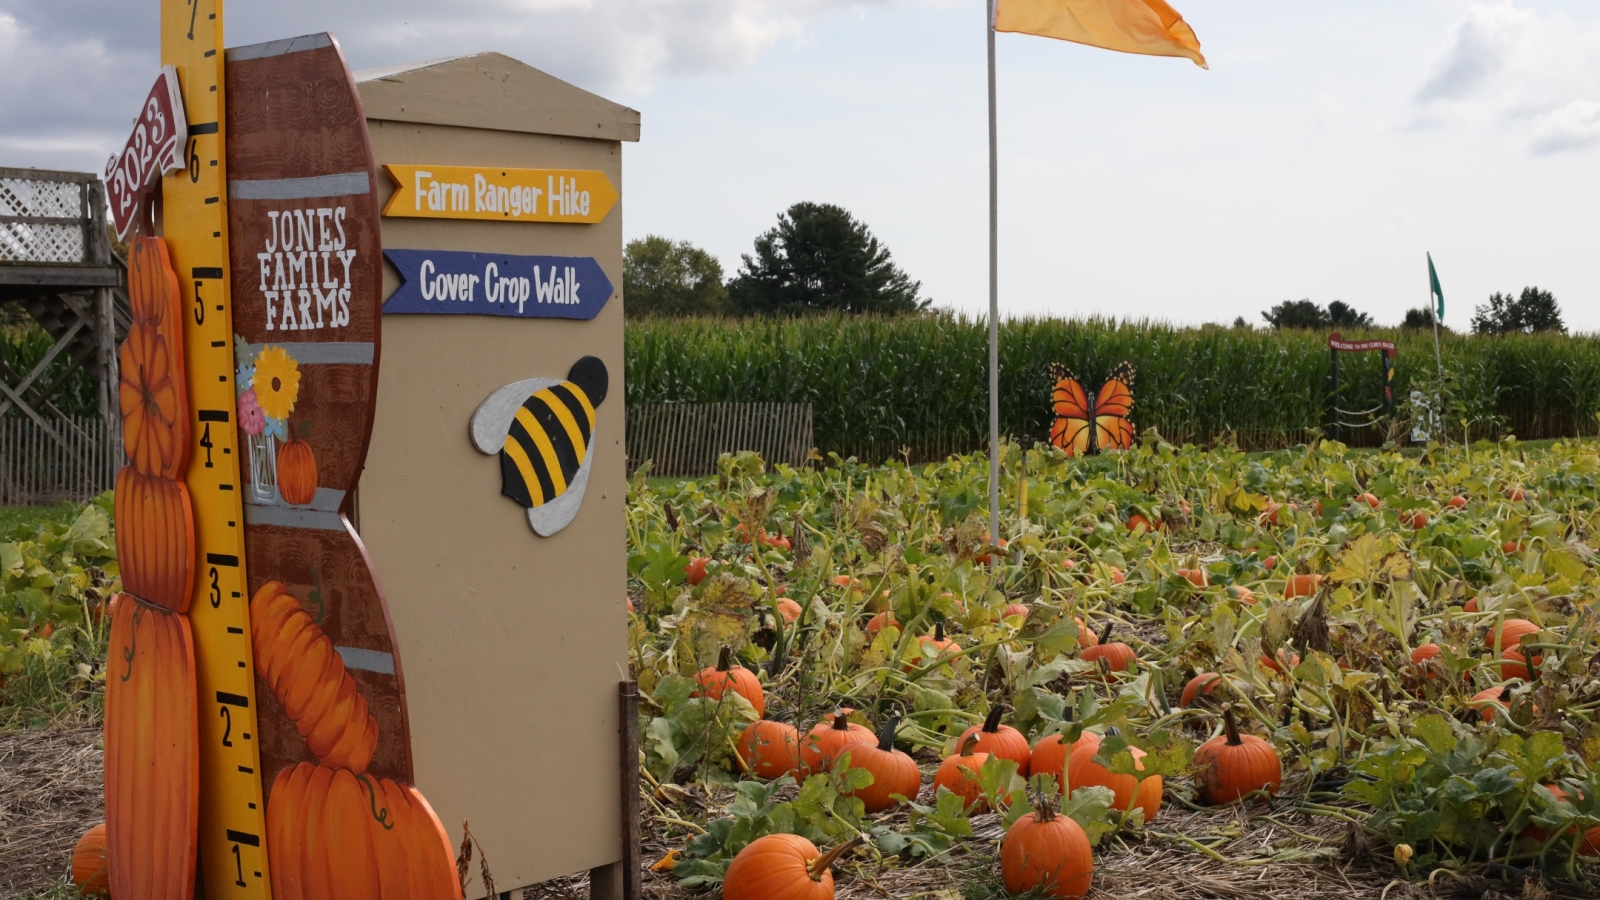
(493, 91)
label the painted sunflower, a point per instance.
(148, 397)
(276, 382)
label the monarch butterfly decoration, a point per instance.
(543, 431)
(1086, 423)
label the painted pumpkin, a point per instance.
(155, 539)
(334, 833)
(714, 681)
(1046, 855)
(91, 873)
(782, 867)
(770, 749)
(827, 739)
(297, 473)
(958, 774)
(1145, 793)
(893, 771)
(151, 392)
(307, 675)
(151, 397)
(1000, 740)
(152, 753)
(1233, 764)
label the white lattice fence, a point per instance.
(36, 470)
(685, 439)
(42, 221)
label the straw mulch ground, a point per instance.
(50, 794)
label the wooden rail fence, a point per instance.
(36, 469)
(685, 439)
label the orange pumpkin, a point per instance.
(1301, 586)
(1369, 499)
(782, 867)
(1284, 660)
(1270, 563)
(1242, 594)
(1137, 521)
(1200, 578)
(334, 833)
(1130, 791)
(1273, 515)
(789, 609)
(155, 539)
(1206, 683)
(1516, 664)
(297, 473)
(958, 774)
(828, 738)
(1118, 656)
(881, 621)
(1485, 701)
(1046, 855)
(1512, 631)
(1424, 653)
(1014, 609)
(893, 771)
(927, 649)
(307, 675)
(714, 681)
(1516, 494)
(1050, 758)
(1232, 765)
(1588, 844)
(1417, 520)
(152, 753)
(90, 871)
(770, 749)
(1459, 501)
(695, 571)
(1000, 740)
(153, 294)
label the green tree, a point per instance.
(1343, 315)
(1297, 314)
(819, 258)
(1534, 310)
(662, 277)
(1420, 319)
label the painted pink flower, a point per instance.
(251, 418)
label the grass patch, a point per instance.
(21, 521)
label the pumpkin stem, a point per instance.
(1231, 725)
(886, 733)
(938, 631)
(841, 721)
(966, 746)
(991, 722)
(1043, 809)
(1106, 635)
(724, 659)
(822, 862)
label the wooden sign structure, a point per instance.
(288, 674)
(488, 422)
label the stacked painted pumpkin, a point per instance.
(151, 731)
(377, 838)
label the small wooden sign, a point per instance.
(494, 284)
(577, 196)
(154, 147)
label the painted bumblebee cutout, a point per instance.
(543, 430)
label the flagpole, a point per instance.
(994, 299)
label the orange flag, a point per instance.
(1150, 27)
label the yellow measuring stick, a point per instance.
(232, 840)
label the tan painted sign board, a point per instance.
(514, 643)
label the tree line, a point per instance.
(819, 258)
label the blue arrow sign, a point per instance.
(493, 284)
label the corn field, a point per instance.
(918, 386)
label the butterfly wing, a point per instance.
(1071, 429)
(1113, 430)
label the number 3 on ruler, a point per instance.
(216, 601)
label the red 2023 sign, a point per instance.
(154, 147)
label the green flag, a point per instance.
(1438, 292)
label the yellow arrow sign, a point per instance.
(578, 196)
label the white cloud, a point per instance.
(73, 70)
(1533, 75)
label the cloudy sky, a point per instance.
(1327, 149)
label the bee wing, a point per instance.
(492, 419)
(551, 517)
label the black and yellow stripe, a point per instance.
(548, 439)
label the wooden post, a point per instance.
(620, 880)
